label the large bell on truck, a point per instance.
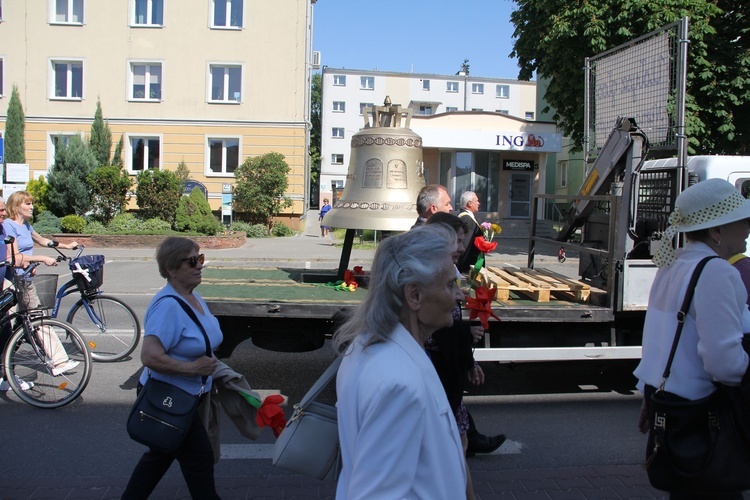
(385, 174)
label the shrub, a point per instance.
(194, 214)
(95, 227)
(155, 226)
(281, 229)
(240, 227)
(38, 189)
(124, 223)
(158, 193)
(257, 231)
(72, 224)
(47, 223)
(261, 184)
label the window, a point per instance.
(477, 88)
(425, 110)
(66, 12)
(451, 86)
(337, 159)
(367, 82)
(226, 83)
(55, 142)
(529, 115)
(339, 80)
(145, 82)
(502, 91)
(1, 77)
(363, 105)
(1, 10)
(337, 132)
(425, 85)
(562, 174)
(67, 80)
(448, 109)
(503, 111)
(226, 13)
(339, 106)
(144, 153)
(477, 109)
(223, 155)
(148, 12)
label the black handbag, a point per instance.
(694, 446)
(163, 413)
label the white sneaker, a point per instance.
(25, 386)
(59, 370)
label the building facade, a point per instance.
(479, 134)
(206, 82)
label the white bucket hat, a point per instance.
(709, 203)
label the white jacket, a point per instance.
(398, 435)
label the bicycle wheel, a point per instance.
(28, 363)
(109, 326)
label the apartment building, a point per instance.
(479, 134)
(205, 82)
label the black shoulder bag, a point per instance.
(163, 413)
(693, 446)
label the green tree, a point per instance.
(117, 160)
(38, 189)
(109, 186)
(260, 187)
(182, 173)
(553, 37)
(158, 194)
(69, 192)
(101, 137)
(316, 101)
(465, 67)
(194, 214)
(15, 151)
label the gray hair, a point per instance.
(171, 252)
(466, 197)
(428, 195)
(410, 257)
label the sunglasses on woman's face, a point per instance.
(195, 260)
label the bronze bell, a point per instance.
(385, 174)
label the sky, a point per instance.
(416, 36)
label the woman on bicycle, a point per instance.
(20, 206)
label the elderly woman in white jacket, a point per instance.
(397, 432)
(715, 219)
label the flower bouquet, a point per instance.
(485, 245)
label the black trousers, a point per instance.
(196, 459)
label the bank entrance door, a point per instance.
(520, 195)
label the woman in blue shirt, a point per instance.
(174, 350)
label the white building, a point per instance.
(478, 134)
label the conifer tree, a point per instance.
(15, 151)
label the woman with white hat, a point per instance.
(715, 219)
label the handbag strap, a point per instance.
(682, 314)
(189, 311)
(320, 384)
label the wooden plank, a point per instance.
(573, 284)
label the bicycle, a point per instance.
(110, 327)
(28, 357)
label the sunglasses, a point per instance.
(195, 260)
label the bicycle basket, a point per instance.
(88, 271)
(46, 288)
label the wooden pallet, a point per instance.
(538, 284)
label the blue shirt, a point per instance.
(24, 241)
(181, 337)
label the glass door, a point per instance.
(520, 195)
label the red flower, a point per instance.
(349, 278)
(483, 245)
(271, 414)
(481, 305)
